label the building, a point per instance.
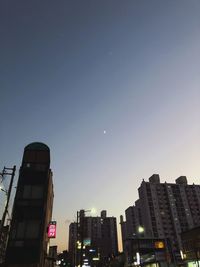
(63, 259)
(109, 238)
(164, 210)
(123, 225)
(191, 247)
(3, 242)
(32, 210)
(147, 252)
(94, 240)
(52, 256)
(72, 243)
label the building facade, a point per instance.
(148, 252)
(3, 242)
(32, 210)
(72, 243)
(93, 239)
(191, 247)
(164, 210)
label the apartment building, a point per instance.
(93, 237)
(164, 210)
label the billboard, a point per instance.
(52, 229)
(87, 242)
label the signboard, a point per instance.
(159, 245)
(87, 242)
(52, 229)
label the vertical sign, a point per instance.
(52, 229)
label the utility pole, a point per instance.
(10, 172)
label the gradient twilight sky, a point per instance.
(70, 70)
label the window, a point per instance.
(40, 167)
(26, 229)
(27, 191)
(18, 243)
(37, 192)
(32, 229)
(42, 157)
(32, 192)
(20, 230)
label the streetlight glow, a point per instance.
(140, 229)
(93, 211)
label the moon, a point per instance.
(104, 132)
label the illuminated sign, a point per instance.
(159, 244)
(52, 230)
(87, 242)
(95, 259)
(138, 258)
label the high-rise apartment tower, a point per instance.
(99, 234)
(163, 210)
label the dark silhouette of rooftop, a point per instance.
(37, 146)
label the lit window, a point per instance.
(159, 244)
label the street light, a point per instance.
(93, 211)
(140, 229)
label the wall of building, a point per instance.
(165, 210)
(98, 234)
(32, 209)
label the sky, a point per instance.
(112, 87)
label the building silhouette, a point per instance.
(72, 243)
(93, 238)
(32, 210)
(163, 210)
(3, 242)
(191, 247)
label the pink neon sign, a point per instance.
(52, 230)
